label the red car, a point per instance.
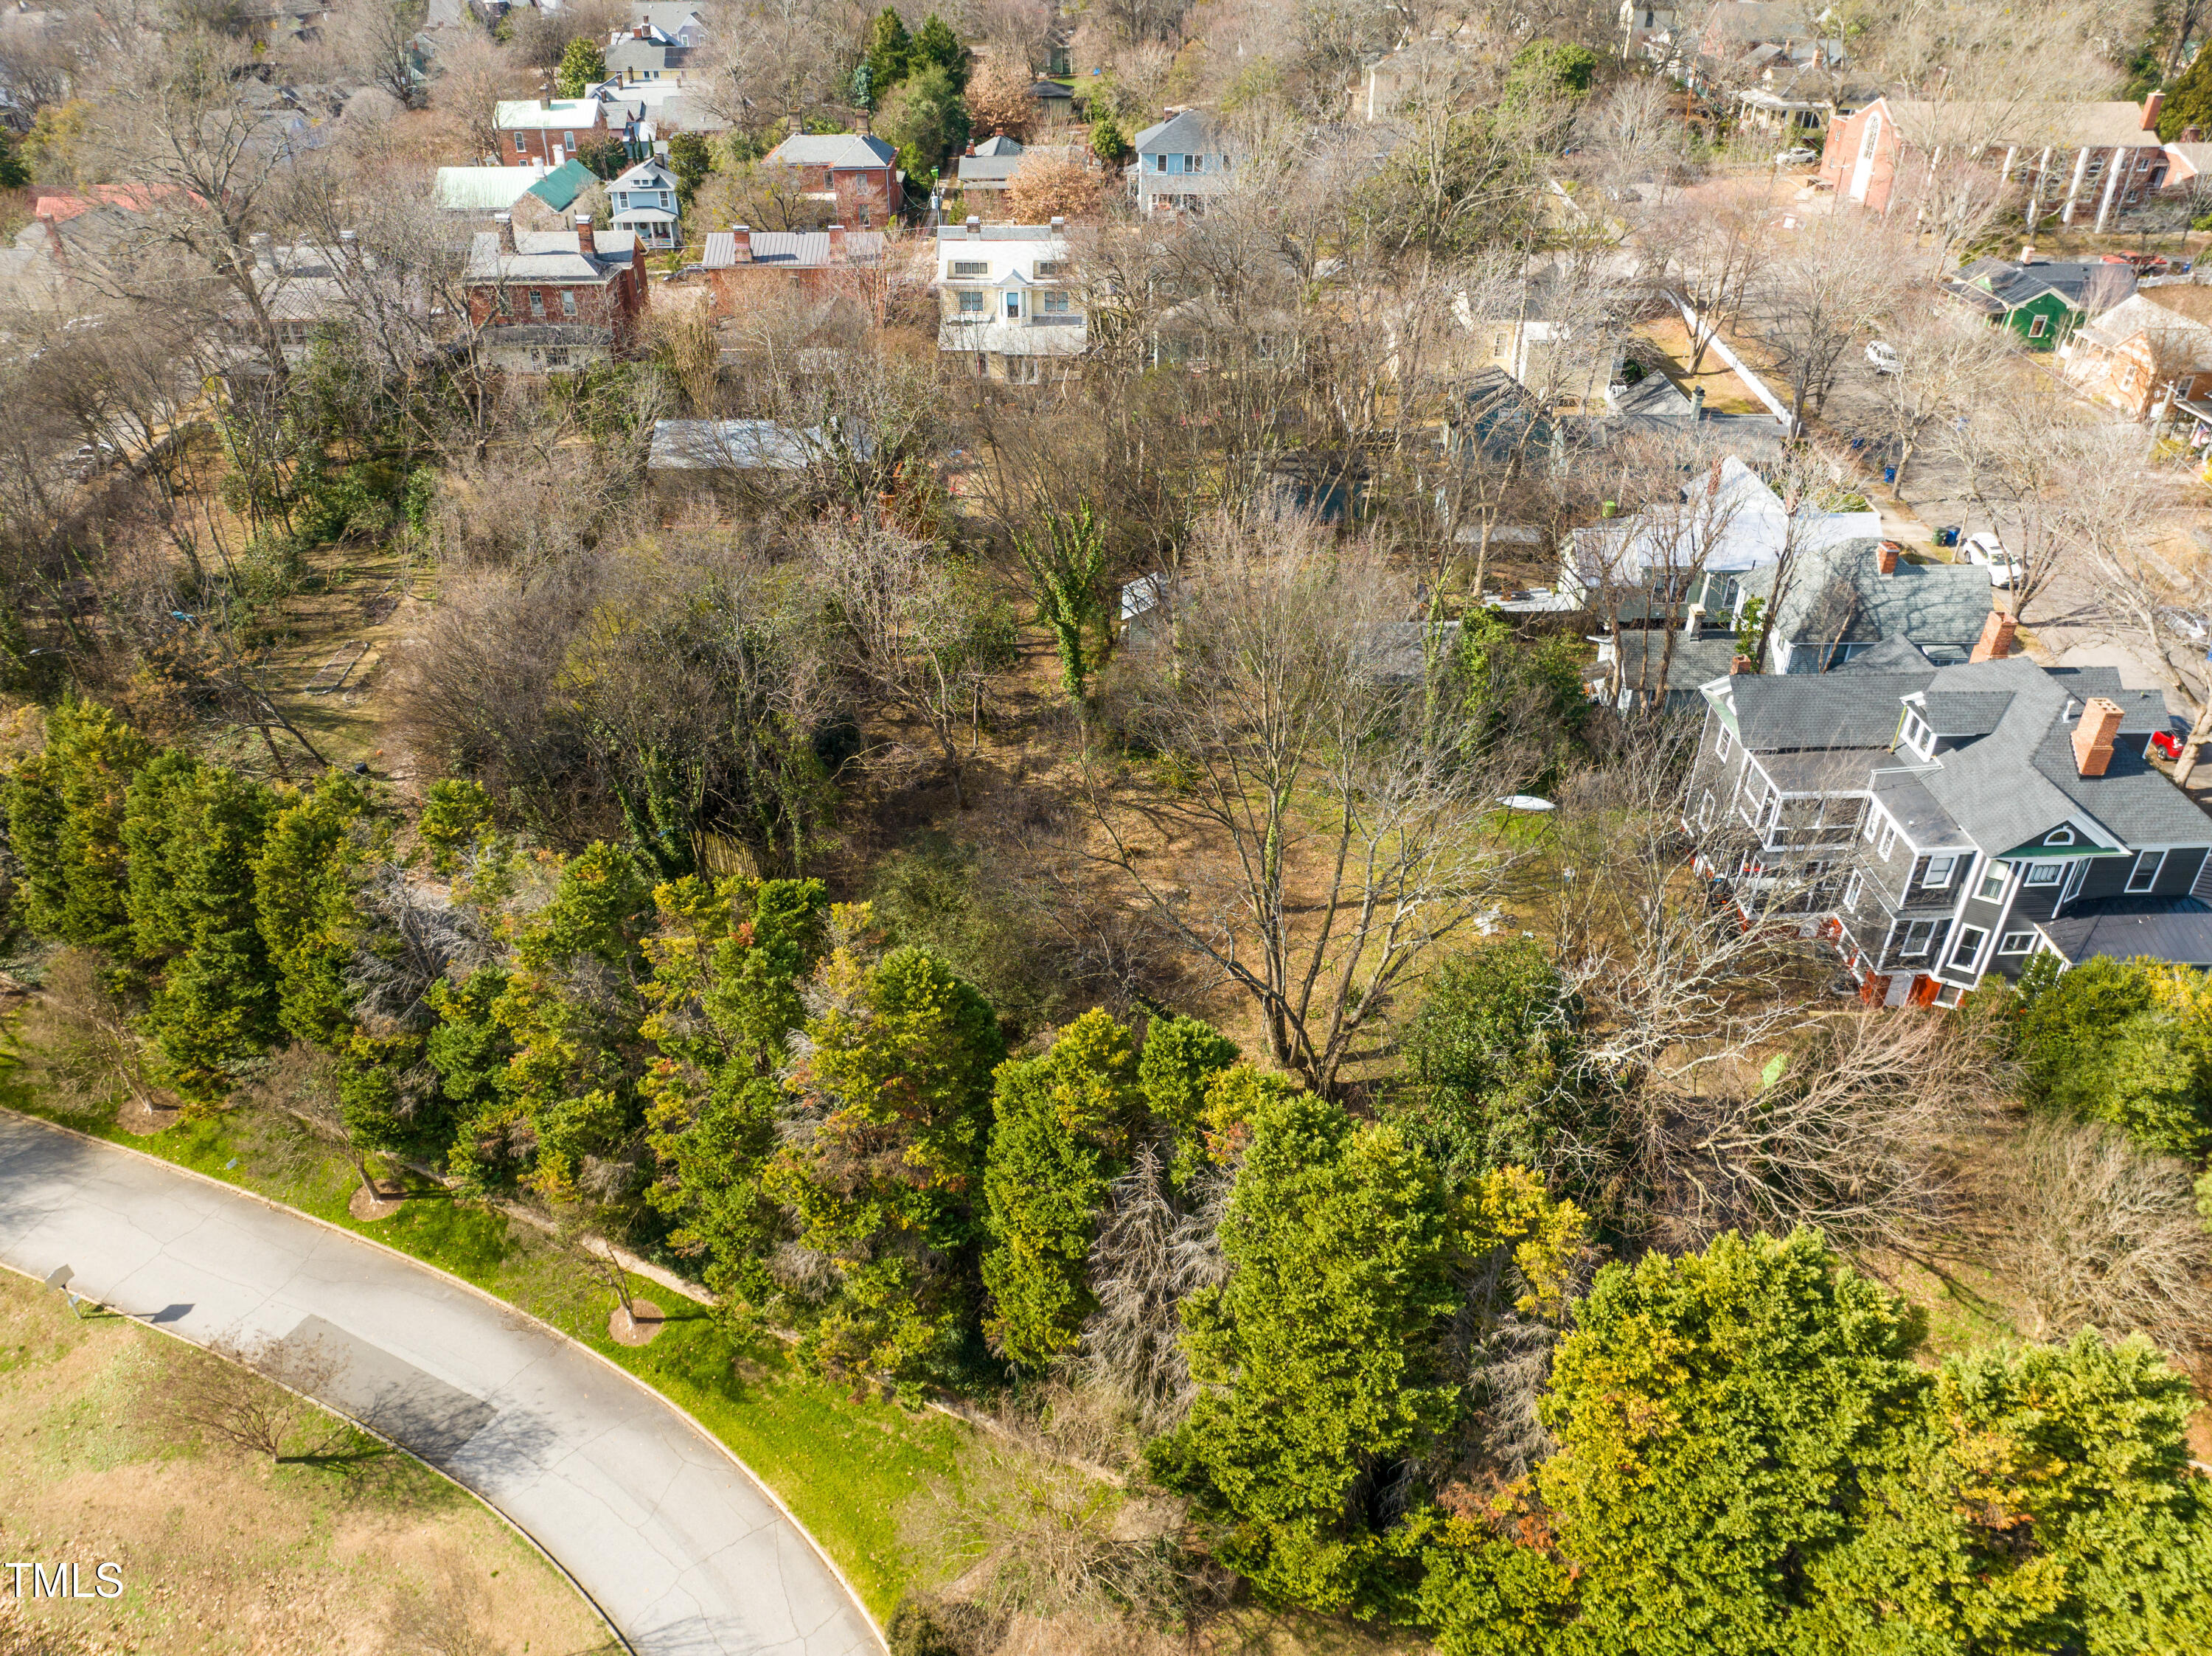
(2167, 743)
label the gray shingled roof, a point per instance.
(549, 255)
(1964, 712)
(831, 149)
(2164, 929)
(1190, 132)
(1821, 710)
(1840, 594)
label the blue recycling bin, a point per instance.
(1948, 536)
(1889, 475)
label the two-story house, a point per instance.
(1008, 301)
(678, 21)
(642, 54)
(744, 267)
(1944, 823)
(642, 201)
(552, 132)
(856, 173)
(2153, 346)
(553, 301)
(1182, 163)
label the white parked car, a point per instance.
(1883, 357)
(1990, 552)
(1799, 157)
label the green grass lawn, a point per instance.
(844, 1468)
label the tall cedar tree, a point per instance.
(935, 44)
(305, 886)
(1318, 1362)
(1065, 1124)
(884, 1155)
(2188, 102)
(728, 965)
(889, 56)
(584, 64)
(66, 809)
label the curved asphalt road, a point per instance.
(674, 1542)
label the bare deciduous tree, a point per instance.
(254, 1396)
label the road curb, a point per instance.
(511, 1309)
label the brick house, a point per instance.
(1941, 823)
(551, 133)
(855, 171)
(744, 267)
(554, 299)
(2130, 356)
(2101, 159)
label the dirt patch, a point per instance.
(356, 1553)
(637, 1325)
(144, 1117)
(369, 1207)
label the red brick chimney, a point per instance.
(837, 243)
(2150, 110)
(1739, 664)
(742, 237)
(1996, 641)
(2093, 737)
(506, 223)
(1886, 558)
(585, 244)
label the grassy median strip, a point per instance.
(845, 1468)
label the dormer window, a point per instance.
(1917, 737)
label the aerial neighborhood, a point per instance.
(1026, 828)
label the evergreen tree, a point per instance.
(218, 1003)
(1318, 1362)
(583, 64)
(161, 917)
(456, 814)
(1108, 142)
(925, 118)
(934, 43)
(66, 809)
(1183, 1058)
(728, 966)
(1063, 1126)
(305, 886)
(2188, 102)
(886, 1145)
(888, 57)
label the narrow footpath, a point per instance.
(677, 1545)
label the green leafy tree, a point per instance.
(1108, 142)
(2124, 1041)
(1490, 1059)
(691, 160)
(936, 45)
(583, 64)
(1064, 1125)
(1318, 1361)
(66, 809)
(14, 174)
(469, 1050)
(216, 1006)
(1066, 567)
(729, 963)
(2188, 102)
(456, 814)
(890, 1112)
(1183, 1057)
(1549, 72)
(887, 58)
(925, 118)
(1529, 696)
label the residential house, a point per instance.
(1181, 162)
(1848, 603)
(743, 266)
(1558, 331)
(1054, 101)
(554, 299)
(480, 191)
(2094, 162)
(680, 23)
(2153, 346)
(303, 289)
(2042, 300)
(642, 200)
(1661, 563)
(1945, 822)
(1009, 303)
(1640, 21)
(692, 458)
(856, 173)
(1426, 67)
(642, 54)
(987, 169)
(547, 134)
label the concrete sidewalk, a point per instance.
(680, 1549)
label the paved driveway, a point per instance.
(677, 1545)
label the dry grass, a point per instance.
(365, 1556)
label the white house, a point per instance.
(1009, 300)
(642, 200)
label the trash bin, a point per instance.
(1948, 536)
(1889, 475)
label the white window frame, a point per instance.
(2002, 874)
(567, 302)
(1950, 867)
(1720, 748)
(2038, 326)
(1013, 308)
(2060, 836)
(1852, 888)
(972, 303)
(1905, 948)
(2016, 942)
(2157, 867)
(1964, 955)
(1888, 841)
(2045, 873)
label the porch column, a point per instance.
(2111, 189)
(2074, 189)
